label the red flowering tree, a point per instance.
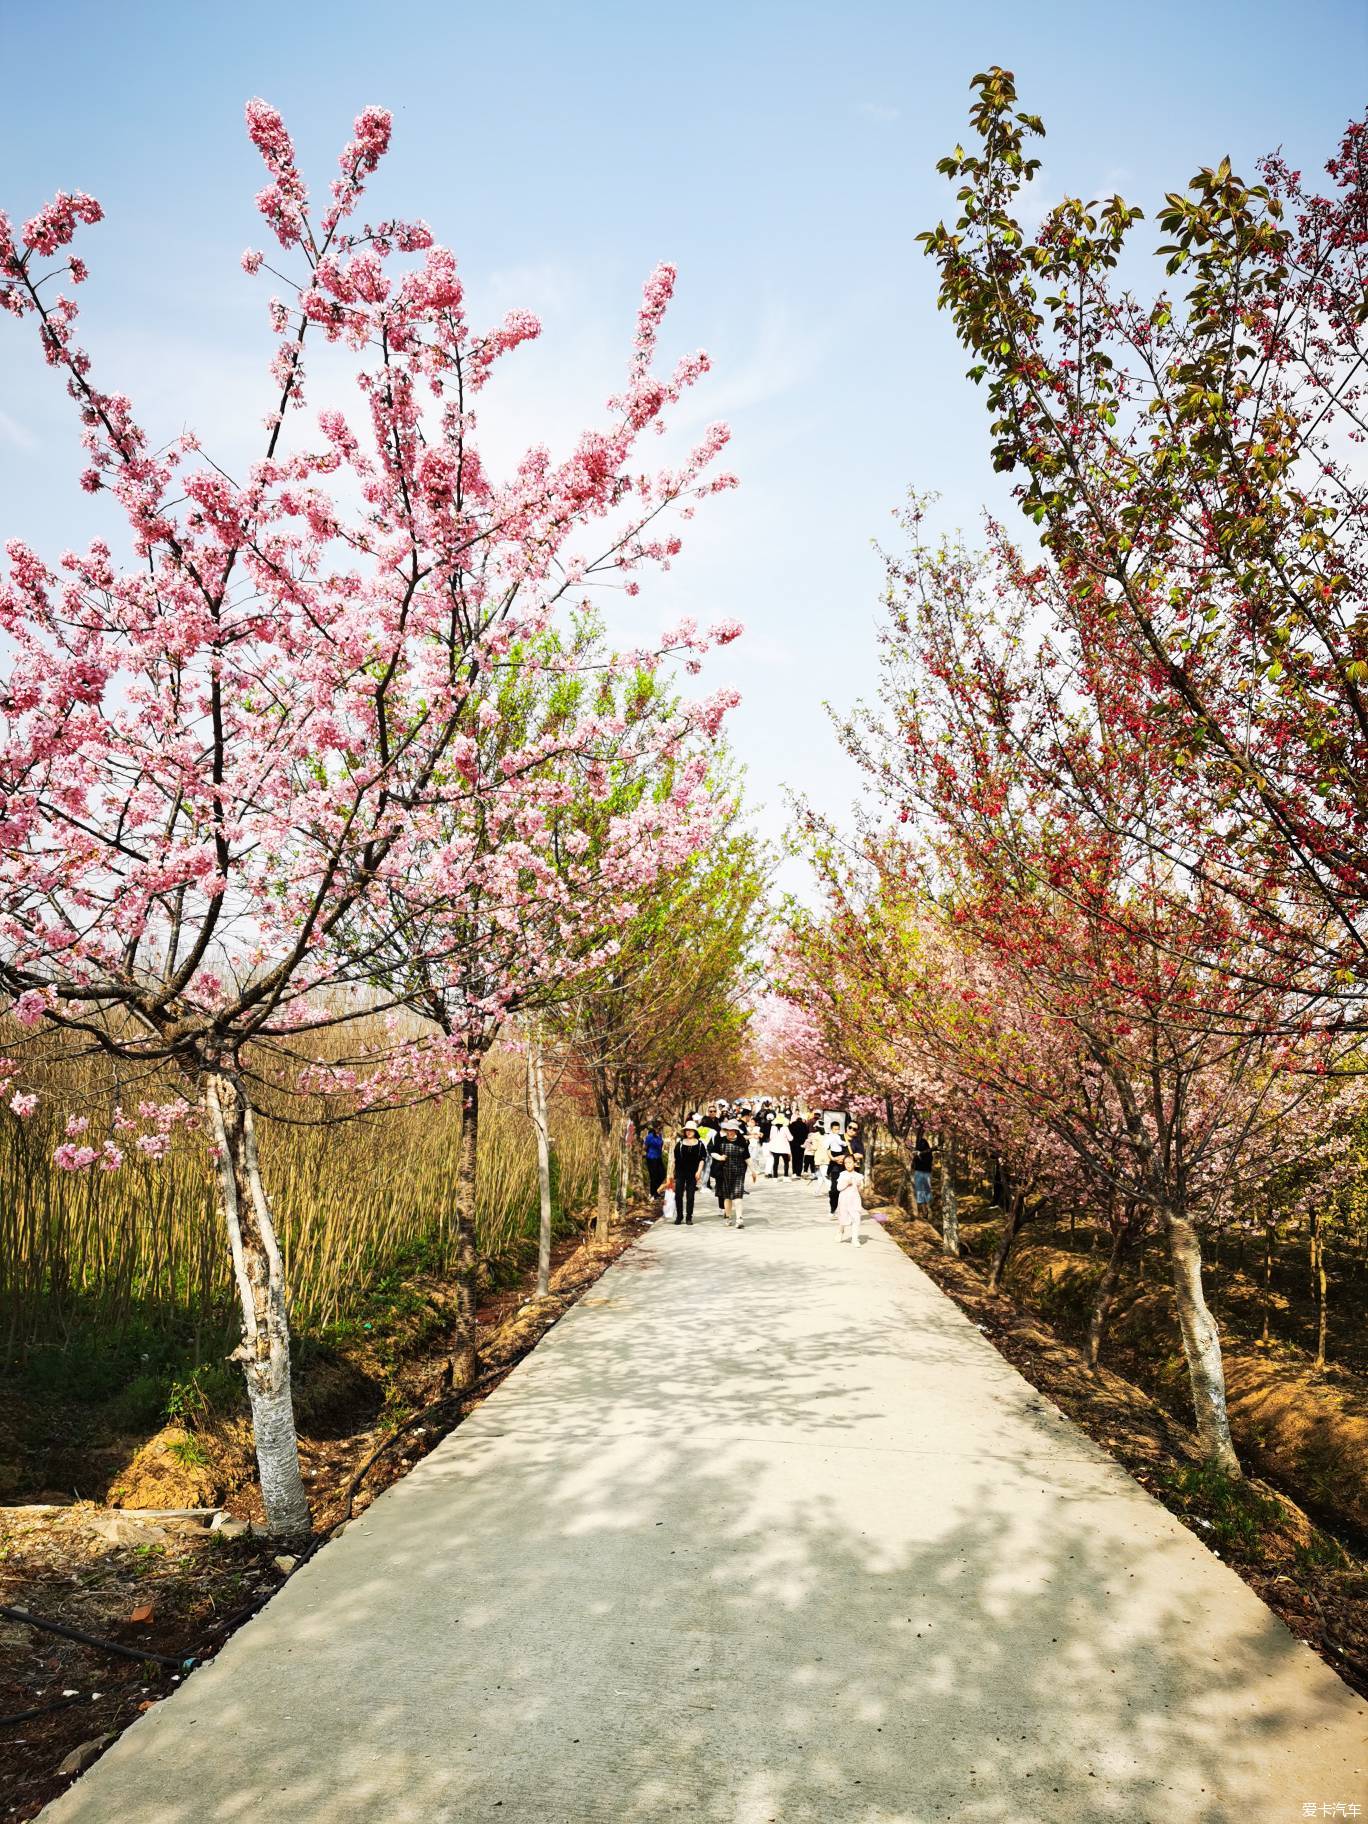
(1156, 1047)
(1194, 466)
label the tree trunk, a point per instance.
(1106, 1295)
(465, 1355)
(949, 1200)
(259, 1275)
(1009, 1235)
(1318, 1282)
(604, 1187)
(1201, 1345)
(624, 1175)
(1267, 1274)
(536, 1108)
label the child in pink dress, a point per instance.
(849, 1205)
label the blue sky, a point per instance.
(782, 156)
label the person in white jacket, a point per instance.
(849, 1204)
(780, 1148)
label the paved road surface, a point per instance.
(764, 1532)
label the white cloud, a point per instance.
(1040, 195)
(782, 357)
(880, 111)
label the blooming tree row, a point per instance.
(310, 747)
(1106, 918)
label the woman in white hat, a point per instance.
(730, 1164)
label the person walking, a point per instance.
(706, 1130)
(690, 1157)
(731, 1163)
(798, 1133)
(750, 1133)
(848, 1205)
(819, 1152)
(838, 1161)
(780, 1147)
(923, 1164)
(654, 1147)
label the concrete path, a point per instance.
(764, 1532)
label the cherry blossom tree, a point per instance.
(226, 752)
(586, 786)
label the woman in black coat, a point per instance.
(798, 1133)
(690, 1156)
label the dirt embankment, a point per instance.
(1307, 1432)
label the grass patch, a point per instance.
(1226, 1511)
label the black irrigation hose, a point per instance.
(457, 1397)
(26, 1716)
(94, 1640)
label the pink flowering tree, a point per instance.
(587, 786)
(227, 748)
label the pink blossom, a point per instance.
(277, 732)
(30, 1007)
(55, 223)
(71, 1158)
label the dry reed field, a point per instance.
(98, 1261)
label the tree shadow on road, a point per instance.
(715, 1592)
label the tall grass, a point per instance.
(96, 1260)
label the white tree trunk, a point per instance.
(949, 1200)
(536, 1108)
(1201, 1346)
(604, 1174)
(260, 1278)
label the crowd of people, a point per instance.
(727, 1147)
